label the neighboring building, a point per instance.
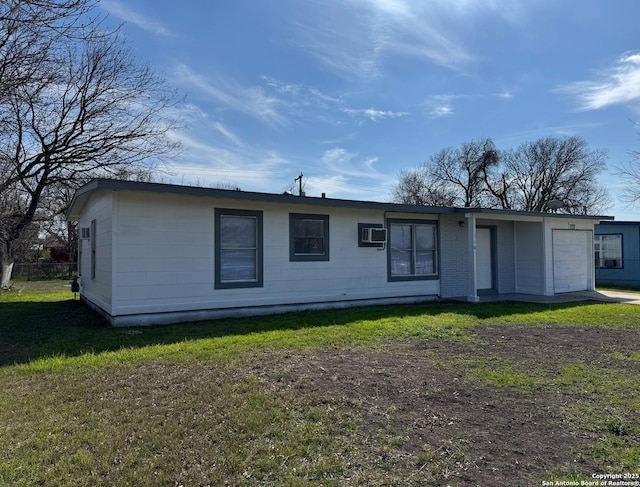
(617, 253)
(157, 253)
(56, 249)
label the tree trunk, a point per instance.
(6, 265)
(7, 268)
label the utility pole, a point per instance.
(299, 179)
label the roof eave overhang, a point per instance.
(82, 195)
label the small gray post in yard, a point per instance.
(75, 287)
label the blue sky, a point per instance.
(350, 92)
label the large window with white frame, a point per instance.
(412, 249)
(238, 241)
(608, 251)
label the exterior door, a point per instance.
(484, 259)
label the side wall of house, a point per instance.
(165, 258)
(629, 274)
(529, 257)
(97, 288)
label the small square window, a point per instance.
(308, 237)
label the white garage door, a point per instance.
(571, 260)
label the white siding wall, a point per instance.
(98, 290)
(529, 246)
(165, 258)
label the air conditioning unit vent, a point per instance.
(374, 235)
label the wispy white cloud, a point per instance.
(213, 153)
(373, 115)
(340, 186)
(323, 97)
(356, 37)
(281, 86)
(338, 160)
(307, 102)
(210, 160)
(227, 133)
(331, 185)
(215, 150)
(144, 22)
(440, 105)
(546, 130)
(619, 84)
(250, 100)
(514, 12)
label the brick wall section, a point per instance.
(454, 274)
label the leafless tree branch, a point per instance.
(74, 104)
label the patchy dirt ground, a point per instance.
(443, 428)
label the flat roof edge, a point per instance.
(286, 198)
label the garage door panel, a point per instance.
(571, 262)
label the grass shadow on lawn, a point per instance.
(36, 329)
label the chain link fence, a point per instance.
(44, 270)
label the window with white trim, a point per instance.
(608, 251)
(238, 240)
(413, 250)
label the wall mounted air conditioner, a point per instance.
(374, 235)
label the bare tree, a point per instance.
(29, 33)
(451, 177)
(416, 187)
(629, 173)
(463, 168)
(552, 168)
(83, 108)
(526, 178)
(499, 189)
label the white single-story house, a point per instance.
(158, 253)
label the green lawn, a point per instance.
(278, 400)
